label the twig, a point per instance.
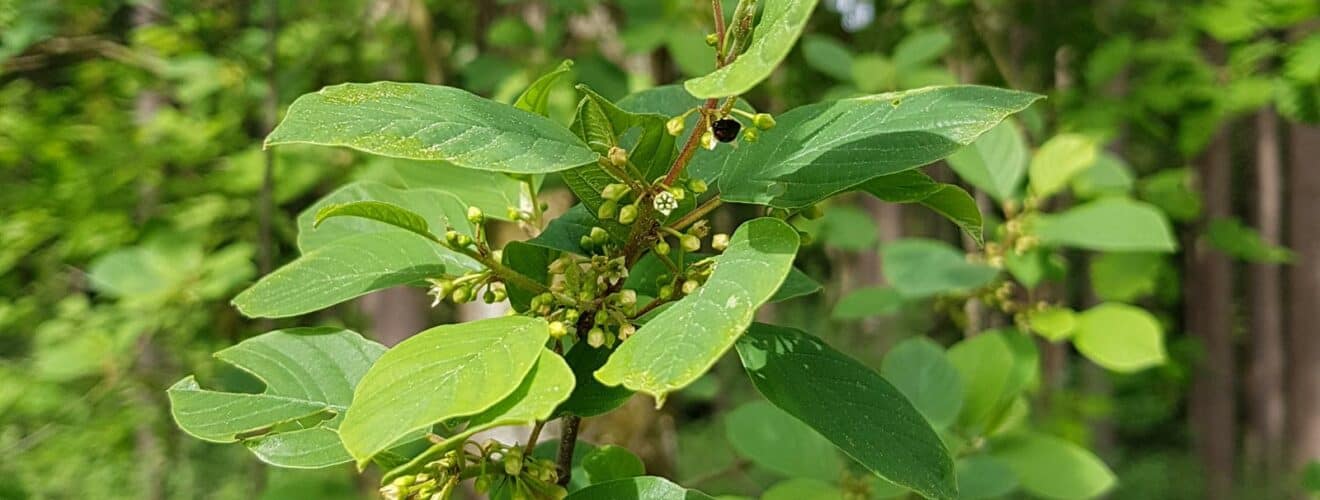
(533, 437)
(697, 213)
(718, 7)
(567, 441)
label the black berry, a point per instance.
(726, 130)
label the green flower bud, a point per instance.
(586, 243)
(461, 295)
(628, 214)
(626, 331)
(513, 213)
(708, 140)
(500, 295)
(712, 39)
(813, 212)
(404, 481)
(674, 126)
(690, 243)
(489, 296)
(596, 337)
(627, 298)
(451, 237)
(690, 286)
(661, 247)
(614, 192)
(666, 291)
(482, 484)
(697, 186)
(513, 461)
(678, 192)
(719, 242)
(571, 315)
(585, 296)
(392, 492)
(618, 157)
(558, 329)
(608, 209)
(805, 238)
(599, 236)
(475, 216)
(763, 121)
(751, 135)
(601, 317)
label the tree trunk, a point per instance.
(1266, 411)
(1209, 303)
(1304, 298)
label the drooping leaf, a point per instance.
(378, 211)
(995, 162)
(849, 404)
(1110, 225)
(919, 268)
(797, 284)
(346, 269)
(438, 211)
(428, 122)
(685, 340)
(590, 397)
(446, 372)
(1120, 337)
(644, 487)
(958, 206)
(920, 370)
(913, 186)
(610, 462)
(1050, 467)
(983, 476)
(818, 150)
(1058, 161)
(309, 374)
(537, 96)
(780, 25)
(770, 438)
(868, 302)
(546, 386)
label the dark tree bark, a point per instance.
(1208, 316)
(1265, 376)
(1303, 429)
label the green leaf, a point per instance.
(874, 73)
(1233, 237)
(537, 96)
(346, 269)
(958, 206)
(685, 340)
(848, 228)
(432, 206)
(1050, 467)
(913, 186)
(1173, 191)
(818, 150)
(827, 55)
(446, 372)
(868, 302)
(493, 192)
(1058, 161)
(1110, 225)
(547, 385)
(309, 375)
(378, 211)
(994, 370)
(531, 261)
(428, 122)
(1053, 323)
(673, 100)
(590, 397)
(919, 268)
(803, 489)
(1120, 337)
(995, 162)
(639, 488)
(849, 404)
(565, 232)
(770, 438)
(610, 462)
(1108, 176)
(1124, 276)
(983, 476)
(920, 370)
(797, 284)
(921, 48)
(781, 24)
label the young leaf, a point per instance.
(994, 368)
(1109, 175)
(1126, 276)
(850, 405)
(307, 371)
(590, 397)
(1059, 160)
(429, 122)
(1233, 237)
(996, 162)
(446, 372)
(1110, 225)
(433, 206)
(378, 211)
(770, 438)
(546, 386)
(919, 268)
(685, 340)
(1053, 323)
(1050, 467)
(537, 96)
(983, 476)
(781, 24)
(920, 370)
(346, 269)
(818, 150)
(643, 487)
(1120, 337)
(827, 55)
(958, 206)
(610, 462)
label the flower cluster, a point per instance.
(495, 465)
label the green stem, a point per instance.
(697, 213)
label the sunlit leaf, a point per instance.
(780, 25)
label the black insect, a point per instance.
(726, 130)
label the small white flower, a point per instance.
(665, 203)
